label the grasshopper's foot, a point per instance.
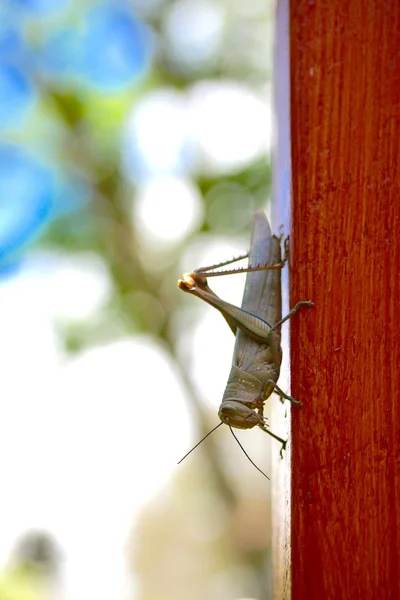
(297, 306)
(283, 448)
(282, 394)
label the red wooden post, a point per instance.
(345, 244)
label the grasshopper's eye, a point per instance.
(238, 415)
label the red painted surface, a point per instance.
(345, 243)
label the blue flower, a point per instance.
(16, 95)
(115, 47)
(26, 200)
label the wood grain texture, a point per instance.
(345, 243)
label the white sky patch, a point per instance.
(156, 138)
(230, 123)
(77, 286)
(194, 31)
(216, 127)
(167, 209)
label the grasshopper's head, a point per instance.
(239, 415)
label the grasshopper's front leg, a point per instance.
(283, 442)
(265, 428)
(292, 312)
(271, 384)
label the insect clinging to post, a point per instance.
(257, 354)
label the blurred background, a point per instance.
(134, 146)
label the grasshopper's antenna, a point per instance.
(202, 440)
(245, 453)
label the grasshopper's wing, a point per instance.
(262, 293)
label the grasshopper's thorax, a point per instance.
(265, 363)
(243, 394)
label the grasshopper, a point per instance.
(257, 354)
